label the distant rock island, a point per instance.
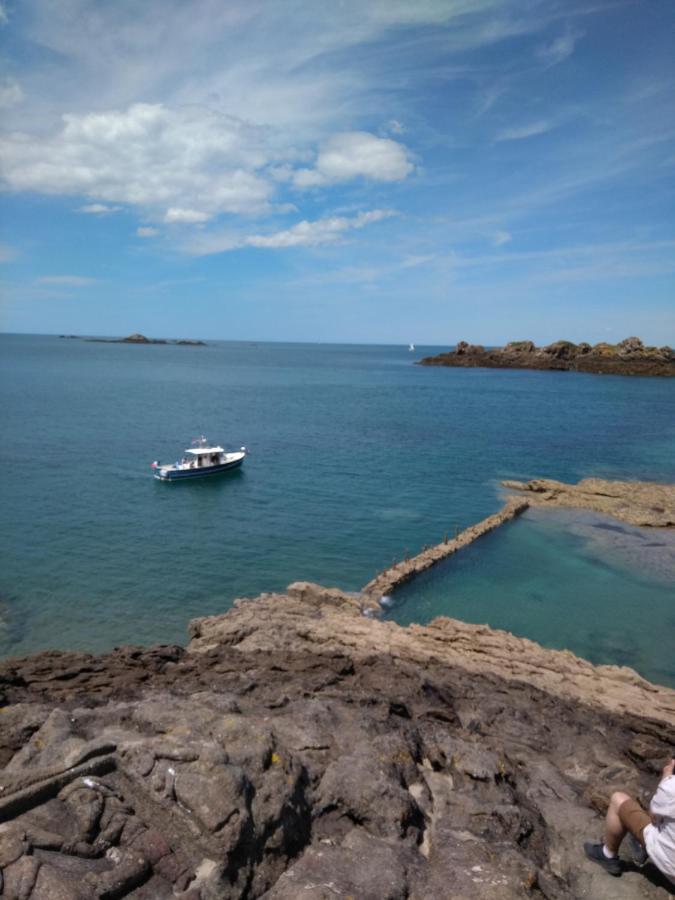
(137, 338)
(629, 357)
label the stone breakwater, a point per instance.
(299, 749)
(403, 571)
(634, 502)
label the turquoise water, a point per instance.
(570, 579)
(356, 457)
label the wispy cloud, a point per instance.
(569, 256)
(7, 253)
(98, 209)
(146, 231)
(302, 234)
(560, 48)
(322, 231)
(66, 280)
(282, 64)
(366, 274)
(396, 127)
(490, 95)
(11, 93)
(501, 237)
(520, 132)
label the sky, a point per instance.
(369, 171)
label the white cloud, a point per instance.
(302, 234)
(178, 214)
(354, 154)
(10, 93)
(499, 238)
(396, 127)
(182, 166)
(187, 164)
(322, 231)
(98, 209)
(4, 18)
(558, 50)
(518, 133)
(66, 280)
(145, 231)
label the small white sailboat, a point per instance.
(411, 347)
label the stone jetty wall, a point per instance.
(636, 502)
(403, 571)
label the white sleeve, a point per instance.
(663, 801)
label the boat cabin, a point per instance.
(199, 457)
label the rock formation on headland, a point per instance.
(629, 357)
(298, 749)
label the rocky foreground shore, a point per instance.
(629, 357)
(299, 749)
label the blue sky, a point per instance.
(368, 171)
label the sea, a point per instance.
(357, 457)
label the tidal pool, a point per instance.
(568, 579)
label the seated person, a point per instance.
(654, 831)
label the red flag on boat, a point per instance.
(154, 464)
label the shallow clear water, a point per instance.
(569, 579)
(356, 457)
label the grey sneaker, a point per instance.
(638, 853)
(596, 853)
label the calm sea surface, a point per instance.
(356, 456)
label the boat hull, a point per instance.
(201, 472)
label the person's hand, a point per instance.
(668, 769)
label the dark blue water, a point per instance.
(356, 457)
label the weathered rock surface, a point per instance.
(629, 357)
(297, 748)
(635, 502)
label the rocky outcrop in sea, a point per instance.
(298, 748)
(629, 357)
(137, 338)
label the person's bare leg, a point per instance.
(615, 831)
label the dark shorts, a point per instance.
(634, 818)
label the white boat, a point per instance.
(200, 460)
(411, 347)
